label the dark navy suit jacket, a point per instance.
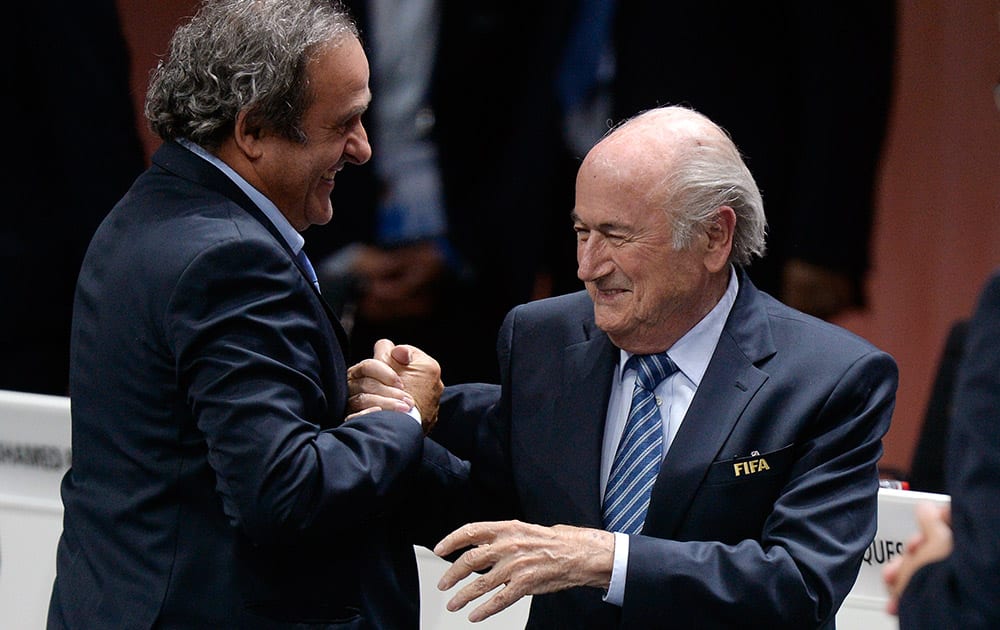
(962, 590)
(214, 483)
(728, 542)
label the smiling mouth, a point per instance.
(608, 295)
(330, 176)
(606, 288)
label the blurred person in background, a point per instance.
(949, 576)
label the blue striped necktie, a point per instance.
(308, 268)
(640, 450)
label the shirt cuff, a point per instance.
(616, 589)
(415, 414)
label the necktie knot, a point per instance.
(651, 369)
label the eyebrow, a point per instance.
(360, 108)
(607, 226)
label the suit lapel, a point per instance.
(578, 431)
(182, 162)
(730, 382)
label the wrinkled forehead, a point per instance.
(609, 178)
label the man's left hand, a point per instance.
(526, 559)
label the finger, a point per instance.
(475, 589)
(362, 386)
(930, 518)
(374, 369)
(890, 573)
(501, 600)
(402, 354)
(476, 559)
(362, 412)
(914, 541)
(373, 383)
(467, 535)
(360, 402)
(382, 350)
(892, 606)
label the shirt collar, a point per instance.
(289, 233)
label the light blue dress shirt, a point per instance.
(691, 353)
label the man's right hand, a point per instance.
(933, 543)
(397, 375)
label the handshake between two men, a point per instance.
(526, 559)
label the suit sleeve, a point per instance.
(462, 433)
(263, 377)
(961, 591)
(809, 550)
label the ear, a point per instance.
(248, 136)
(720, 239)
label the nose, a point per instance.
(358, 150)
(591, 260)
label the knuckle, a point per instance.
(502, 599)
(482, 583)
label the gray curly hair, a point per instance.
(236, 55)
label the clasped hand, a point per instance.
(396, 378)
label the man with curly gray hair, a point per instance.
(217, 479)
